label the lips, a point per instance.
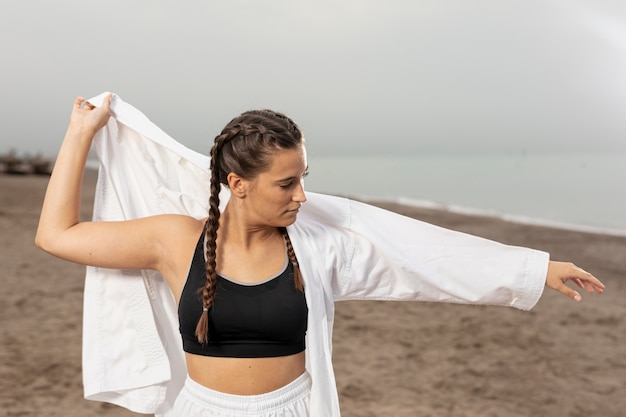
(295, 209)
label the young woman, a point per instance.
(251, 308)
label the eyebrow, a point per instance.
(306, 171)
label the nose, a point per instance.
(299, 195)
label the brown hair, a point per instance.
(245, 147)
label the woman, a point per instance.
(243, 330)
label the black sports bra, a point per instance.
(267, 319)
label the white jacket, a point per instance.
(132, 351)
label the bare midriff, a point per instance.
(245, 376)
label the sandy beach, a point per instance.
(392, 359)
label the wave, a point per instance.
(514, 218)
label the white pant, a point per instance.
(292, 400)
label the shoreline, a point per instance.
(571, 191)
(470, 211)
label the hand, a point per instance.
(560, 272)
(86, 117)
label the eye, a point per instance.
(293, 180)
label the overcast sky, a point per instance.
(359, 76)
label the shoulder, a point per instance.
(175, 232)
(163, 228)
(182, 224)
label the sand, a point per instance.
(392, 358)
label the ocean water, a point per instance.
(577, 191)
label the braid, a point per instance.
(285, 119)
(298, 282)
(208, 291)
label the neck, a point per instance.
(235, 229)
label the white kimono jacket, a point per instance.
(132, 351)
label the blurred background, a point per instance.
(504, 108)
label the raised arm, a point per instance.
(61, 207)
(134, 244)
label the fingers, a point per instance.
(582, 278)
(560, 272)
(89, 118)
(589, 287)
(564, 289)
(574, 295)
(590, 282)
(78, 102)
(107, 100)
(106, 103)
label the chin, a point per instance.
(289, 222)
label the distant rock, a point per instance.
(11, 163)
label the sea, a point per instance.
(584, 192)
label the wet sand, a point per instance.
(391, 358)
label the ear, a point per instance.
(238, 186)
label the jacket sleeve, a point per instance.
(387, 256)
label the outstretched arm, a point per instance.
(560, 272)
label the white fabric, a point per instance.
(292, 400)
(347, 250)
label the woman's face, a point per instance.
(274, 197)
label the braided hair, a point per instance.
(244, 147)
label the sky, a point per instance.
(361, 77)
